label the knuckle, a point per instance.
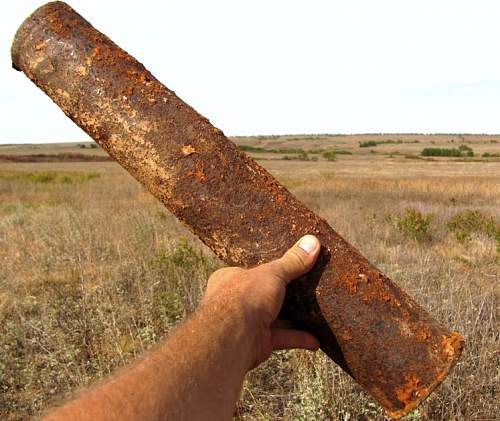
(296, 259)
(226, 272)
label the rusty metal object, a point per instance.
(365, 322)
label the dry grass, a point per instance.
(96, 271)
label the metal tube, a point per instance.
(365, 322)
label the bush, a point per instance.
(330, 155)
(490, 155)
(370, 143)
(301, 156)
(93, 146)
(414, 224)
(463, 150)
(367, 144)
(466, 150)
(464, 224)
(441, 152)
(248, 148)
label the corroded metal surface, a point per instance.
(366, 323)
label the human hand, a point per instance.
(258, 295)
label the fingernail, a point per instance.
(308, 243)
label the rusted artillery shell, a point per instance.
(365, 322)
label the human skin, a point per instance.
(197, 372)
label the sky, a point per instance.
(266, 67)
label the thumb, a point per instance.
(298, 260)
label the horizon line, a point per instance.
(45, 142)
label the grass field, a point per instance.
(95, 271)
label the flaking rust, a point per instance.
(365, 322)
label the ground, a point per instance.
(95, 271)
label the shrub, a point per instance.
(464, 224)
(463, 150)
(330, 155)
(301, 156)
(367, 144)
(248, 148)
(93, 146)
(466, 150)
(441, 152)
(490, 155)
(370, 143)
(414, 224)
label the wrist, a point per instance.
(237, 322)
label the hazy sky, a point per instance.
(286, 66)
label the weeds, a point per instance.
(415, 225)
(301, 156)
(465, 224)
(90, 284)
(329, 155)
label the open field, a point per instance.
(95, 271)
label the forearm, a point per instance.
(195, 374)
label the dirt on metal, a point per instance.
(365, 322)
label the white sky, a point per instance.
(287, 66)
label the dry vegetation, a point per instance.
(95, 271)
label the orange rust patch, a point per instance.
(452, 344)
(345, 335)
(405, 394)
(351, 283)
(199, 174)
(422, 335)
(379, 394)
(376, 290)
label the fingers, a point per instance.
(291, 338)
(298, 260)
